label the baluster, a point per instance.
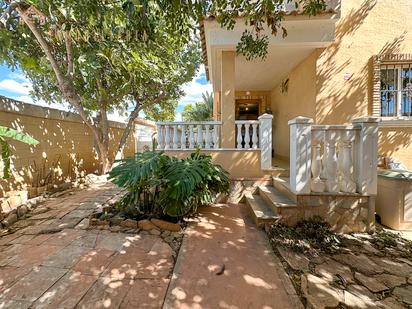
(254, 136)
(183, 137)
(330, 165)
(247, 136)
(199, 136)
(191, 137)
(160, 143)
(175, 139)
(239, 136)
(207, 136)
(167, 137)
(317, 184)
(215, 136)
(347, 184)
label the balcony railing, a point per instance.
(333, 158)
(188, 135)
(250, 135)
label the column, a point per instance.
(228, 99)
(265, 140)
(300, 154)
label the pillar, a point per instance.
(227, 103)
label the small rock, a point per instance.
(296, 261)
(83, 224)
(155, 232)
(165, 233)
(404, 294)
(167, 226)
(372, 284)
(319, 293)
(10, 220)
(129, 223)
(116, 220)
(389, 303)
(146, 225)
(115, 228)
(390, 281)
(97, 222)
(22, 210)
(410, 280)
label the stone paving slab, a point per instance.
(66, 292)
(33, 285)
(56, 263)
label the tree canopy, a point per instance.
(99, 56)
(201, 111)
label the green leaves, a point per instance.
(17, 136)
(201, 111)
(5, 148)
(176, 187)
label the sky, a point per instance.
(14, 85)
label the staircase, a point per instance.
(272, 201)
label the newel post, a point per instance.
(366, 155)
(366, 162)
(265, 140)
(300, 154)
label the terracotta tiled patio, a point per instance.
(51, 261)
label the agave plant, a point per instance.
(8, 133)
(160, 185)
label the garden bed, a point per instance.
(345, 271)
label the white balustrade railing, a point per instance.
(334, 158)
(250, 135)
(247, 136)
(188, 135)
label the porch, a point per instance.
(332, 171)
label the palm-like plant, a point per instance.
(9, 133)
(201, 111)
(160, 185)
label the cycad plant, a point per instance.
(161, 186)
(9, 133)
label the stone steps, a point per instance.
(261, 212)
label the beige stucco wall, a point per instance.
(342, 74)
(63, 137)
(366, 28)
(298, 101)
(238, 163)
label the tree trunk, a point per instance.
(126, 132)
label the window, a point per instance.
(396, 90)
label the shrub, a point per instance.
(309, 235)
(159, 185)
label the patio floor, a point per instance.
(226, 262)
(52, 262)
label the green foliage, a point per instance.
(5, 148)
(160, 185)
(310, 235)
(100, 56)
(201, 111)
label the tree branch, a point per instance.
(69, 51)
(126, 132)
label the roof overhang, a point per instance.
(304, 36)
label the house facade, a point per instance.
(328, 99)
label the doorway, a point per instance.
(248, 109)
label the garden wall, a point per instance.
(66, 149)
